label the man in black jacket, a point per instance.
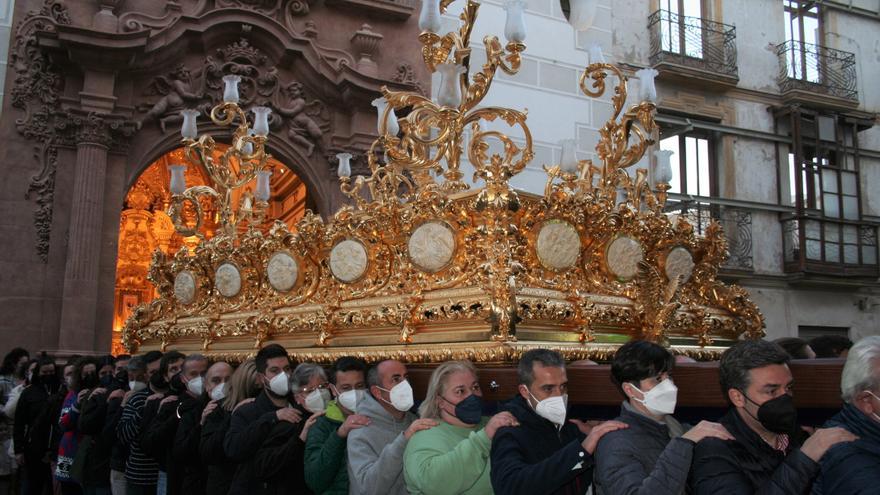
(162, 417)
(767, 455)
(185, 448)
(33, 426)
(101, 408)
(252, 424)
(545, 454)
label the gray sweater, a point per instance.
(375, 452)
(647, 458)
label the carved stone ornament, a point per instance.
(227, 280)
(679, 263)
(282, 271)
(348, 260)
(558, 245)
(623, 257)
(185, 287)
(431, 246)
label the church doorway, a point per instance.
(145, 226)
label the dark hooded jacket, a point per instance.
(537, 457)
(249, 428)
(851, 467)
(278, 464)
(748, 465)
(185, 455)
(220, 469)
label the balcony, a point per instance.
(824, 247)
(817, 76)
(692, 48)
(737, 225)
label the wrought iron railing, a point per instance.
(828, 242)
(817, 68)
(736, 222)
(693, 42)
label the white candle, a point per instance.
(262, 192)
(515, 25)
(189, 129)
(344, 169)
(568, 161)
(261, 120)
(663, 168)
(647, 90)
(178, 179)
(230, 91)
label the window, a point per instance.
(693, 170)
(802, 33)
(680, 27)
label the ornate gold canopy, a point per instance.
(424, 268)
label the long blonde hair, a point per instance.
(242, 385)
(437, 386)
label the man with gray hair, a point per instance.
(546, 453)
(855, 467)
(768, 454)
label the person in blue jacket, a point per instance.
(854, 467)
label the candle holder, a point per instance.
(244, 161)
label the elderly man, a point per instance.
(853, 467)
(375, 453)
(766, 455)
(546, 453)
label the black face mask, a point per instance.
(88, 381)
(120, 381)
(470, 410)
(106, 381)
(777, 415)
(158, 381)
(48, 381)
(177, 385)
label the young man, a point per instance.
(252, 423)
(33, 426)
(141, 470)
(853, 467)
(375, 453)
(766, 455)
(652, 456)
(544, 454)
(325, 469)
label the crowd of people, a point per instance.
(169, 423)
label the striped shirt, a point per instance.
(140, 468)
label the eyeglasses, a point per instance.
(322, 386)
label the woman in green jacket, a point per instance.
(453, 457)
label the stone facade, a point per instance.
(92, 96)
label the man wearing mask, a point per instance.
(185, 448)
(135, 374)
(375, 453)
(853, 467)
(31, 433)
(252, 423)
(161, 417)
(545, 453)
(652, 456)
(767, 454)
(100, 409)
(325, 468)
(278, 463)
(141, 470)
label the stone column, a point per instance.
(79, 301)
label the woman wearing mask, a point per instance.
(242, 387)
(453, 457)
(84, 379)
(652, 456)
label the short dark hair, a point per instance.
(830, 346)
(795, 347)
(151, 357)
(10, 361)
(347, 363)
(271, 351)
(640, 359)
(746, 355)
(168, 358)
(526, 368)
(122, 357)
(373, 375)
(78, 366)
(137, 364)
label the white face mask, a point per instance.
(317, 400)
(661, 399)
(196, 386)
(136, 386)
(553, 409)
(351, 399)
(280, 384)
(218, 392)
(401, 396)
